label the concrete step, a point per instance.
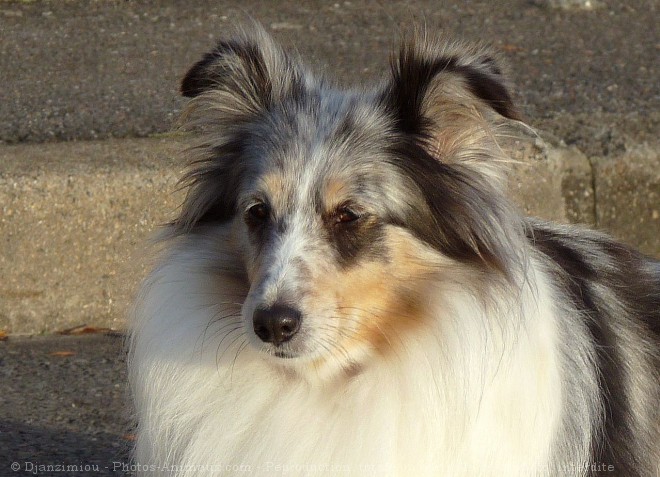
(74, 220)
(75, 217)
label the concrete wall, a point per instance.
(76, 217)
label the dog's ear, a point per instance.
(230, 62)
(449, 104)
(238, 81)
(453, 96)
(247, 73)
(427, 75)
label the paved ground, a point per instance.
(94, 69)
(81, 70)
(64, 401)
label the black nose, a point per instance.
(277, 324)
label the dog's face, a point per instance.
(346, 208)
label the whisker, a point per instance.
(241, 347)
(239, 336)
(217, 356)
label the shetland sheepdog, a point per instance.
(347, 290)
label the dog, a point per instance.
(347, 289)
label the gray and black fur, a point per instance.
(422, 155)
(616, 291)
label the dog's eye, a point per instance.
(345, 216)
(258, 212)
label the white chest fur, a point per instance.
(459, 400)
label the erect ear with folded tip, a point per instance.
(426, 77)
(250, 71)
(448, 103)
(231, 62)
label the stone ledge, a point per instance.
(627, 190)
(74, 223)
(76, 217)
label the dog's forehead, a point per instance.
(320, 119)
(320, 147)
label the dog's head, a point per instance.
(347, 207)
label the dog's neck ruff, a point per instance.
(442, 404)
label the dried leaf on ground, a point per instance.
(84, 330)
(63, 354)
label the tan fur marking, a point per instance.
(381, 301)
(274, 185)
(334, 193)
(464, 129)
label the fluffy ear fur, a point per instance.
(449, 102)
(454, 96)
(426, 72)
(250, 69)
(231, 64)
(236, 83)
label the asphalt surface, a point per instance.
(64, 402)
(95, 69)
